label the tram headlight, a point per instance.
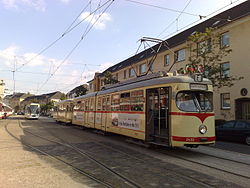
(203, 129)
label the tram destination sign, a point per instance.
(198, 87)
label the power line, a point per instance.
(38, 73)
(175, 19)
(164, 8)
(23, 57)
(199, 20)
(68, 30)
(78, 43)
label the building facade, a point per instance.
(15, 100)
(233, 28)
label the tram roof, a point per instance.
(145, 83)
(66, 100)
(154, 82)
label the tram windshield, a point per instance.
(195, 101)
(33, 109)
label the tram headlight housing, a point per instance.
(203, 129)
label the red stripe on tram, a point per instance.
(201, 116)
(193, 139)
(121, 112)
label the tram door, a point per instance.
(157, 115)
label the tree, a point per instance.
(109, 79)
(207, 55)
(45, 108)
(63, 97)
(80, 90)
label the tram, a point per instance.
(167, 110)
(32, 111)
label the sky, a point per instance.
(56, 45)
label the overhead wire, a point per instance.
(38, 73)
(163, 8)
(175, 18)
(207, 17)
(23, 57)
(78, 43)
(68, 30)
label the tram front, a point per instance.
(192, 116)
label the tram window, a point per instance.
(104, 103)
(137, 100)
(108, 103)
(77, 105)
(91, 104)
(194, 101)
(125, 101)
(86, 105)
(99, 103)
(71, 107)
(82, 106)
(115, 102)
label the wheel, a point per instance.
(248, 140)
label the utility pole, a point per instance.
(13, 73)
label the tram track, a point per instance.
(227, 159)
(184, 176)
(126, 180)
(86, 174)
(209, 166)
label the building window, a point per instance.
(180, 55)
(90, 86)
(166, 60)
(225, 70)
(143, 68)
(131, 72)
(125, 74)
(225, 101)
(224, 40)
(204, 47)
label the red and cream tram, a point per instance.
(165, 110)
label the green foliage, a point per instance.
(63, 97)
(45, 108)
(80, 90)
(206, 51)
(109, 79)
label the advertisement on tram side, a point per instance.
(79, 116)
(129, 121)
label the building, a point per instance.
(43, 99)
(15, 100)
(77, 91)
(233, 27)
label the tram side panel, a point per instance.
(100, 114)
(127, 115)
(91, 112)
(64, 113)
(78, 117)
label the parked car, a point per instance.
(235, 130)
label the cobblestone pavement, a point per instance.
(23, 167)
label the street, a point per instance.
(42, 153)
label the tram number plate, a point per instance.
(190, 140)
(198, 77)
